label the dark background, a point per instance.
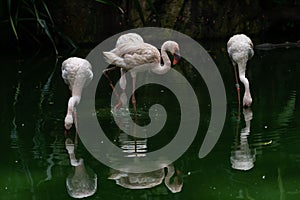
(66, 23)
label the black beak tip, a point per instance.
(176, 58)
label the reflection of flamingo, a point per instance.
(83, 181)
(176, 185)
(240, 50)
(141, 57)
(148, 179)
(77, 73)
(242, 156)
(129, 38)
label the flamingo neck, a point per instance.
(175, 186)
(247, 100)
(73, 101)
(170, 173)
(162, 69)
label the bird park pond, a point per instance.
(256, 155)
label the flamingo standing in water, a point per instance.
(240, 50)
(141, 56)
(77, 73)
(129, 38)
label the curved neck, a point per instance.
(176, 185)
(170, 173)
(162, 69)
(73, 101)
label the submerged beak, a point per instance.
(67, 132)
(176, 58)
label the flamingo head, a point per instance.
(247, 101)
(173, 48)
(176, 57)
(175, 53)
(68, 122)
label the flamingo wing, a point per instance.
(138, 54)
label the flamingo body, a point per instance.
(77, 73)
(129, 38)
(143, 56)
(240, 50)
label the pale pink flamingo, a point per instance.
(138, 57)
(240, 50)
(77, 73)
(129, 38)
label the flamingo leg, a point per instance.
(133, 100)
(123, 83)
(237, 88)
(76, 127)
(105, 73)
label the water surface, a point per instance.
(36, 165)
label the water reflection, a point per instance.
(172, 179)
(132, 146)
(82, 181)
(137, 148)
(242, 156)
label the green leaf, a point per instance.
(17, 14)
(152, 7)
(140, 11)
(37, 15)
(11, 20)
(69, 40)
(45, 27)
(48, 12)
(107, 2)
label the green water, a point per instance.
(35, 163)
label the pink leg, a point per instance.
(238, 90)
(133, 95)
(110, 82)
(118, 106)
(122, 86)
(76, 127)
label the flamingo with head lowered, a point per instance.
(77, 73)
(138, 57)
(240, 50)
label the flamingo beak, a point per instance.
(67, 132)
(176, 57)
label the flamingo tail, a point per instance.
(112, 58)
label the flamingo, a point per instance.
(77, 73)
(240, 50)
(129, 38)
(138, 57)
(123, 39)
